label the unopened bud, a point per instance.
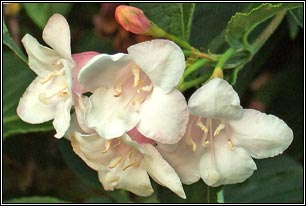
(132, 19)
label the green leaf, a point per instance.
(35, 199)
(297, 15)
(78, 166)
(40, 12)
(16, 77)
(175, 18)
(241, 24)
(8, 41)
(277, 180)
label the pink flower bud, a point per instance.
(132, 19)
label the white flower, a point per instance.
(221, 138)
(125, 164)
(50, 95)
(137, 91)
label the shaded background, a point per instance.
(37, 164)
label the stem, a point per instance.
(224, 58)
(264, 36)
(208, 194)
(195, 82)
(181, 43)
(195, 67)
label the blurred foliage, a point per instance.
(39, 168)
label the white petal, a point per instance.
(32, 109)
(260, 134)
(217, 100)
(135, 180)
(42, 60)
(57, 35)
(162, 60)
(111, 116)
(61, 120)
(225, 165)
(161, 171)
(104, 70)
(164, 116)
(89, 148)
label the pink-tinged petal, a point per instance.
(162, 60)
(38, 103)
(80, 60)
(224, 165)
(135, 180)
(81, 103)
(57, 35)
(216, 100)
(61, 120)
(109, 115)
(161, 171)
(42, 60)
(164, 117)
(90, 149)
(136, 136)
(105, 70)
(260, 134)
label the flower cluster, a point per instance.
(135, 124)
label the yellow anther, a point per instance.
(135, 71)
(63, 93)
(53, 74)
(202, 126)
(46, 79)
(117, 161)
(131, 152)
(107, 145)
(219, 129)
(190, 141)
(118, 91)
(146, 88)
(42, 97)
(118, 143)
(230, 144)
(135, 163)
(137, 100)
(205, 143)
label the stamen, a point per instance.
(205, 143)
(137, 100)
(61, 93)
(194, 145)
(130, 165)
(230, 144)
(107, 145)
(131, 152)
(135, 71)
(118, 91)
(202, 126)
(118, 143)
(219, 129)
(53, 74)
(116, 162)
(146, 88)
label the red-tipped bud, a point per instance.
(132, 19)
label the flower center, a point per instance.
(128, 156)
(135, 89)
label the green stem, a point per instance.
(192, 83)
(264, 36)
(224, 58)
(195, 67)
(208, 194)
(181, 43)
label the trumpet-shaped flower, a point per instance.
(136, 91)
(124, 163)
(50, 96)
(221, 138)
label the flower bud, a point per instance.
(132, 19)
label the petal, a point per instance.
(164, 117)
(161, 171)
(40, 99)
(135, 180)
(57, 35)
(81, 103)
(224, 165)
(61, 120)
(216, 100)
(111, 116)
(260, 134)
(162, 60)
(80, 59)
(104, 70)
(89, 148)
(42, 60)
